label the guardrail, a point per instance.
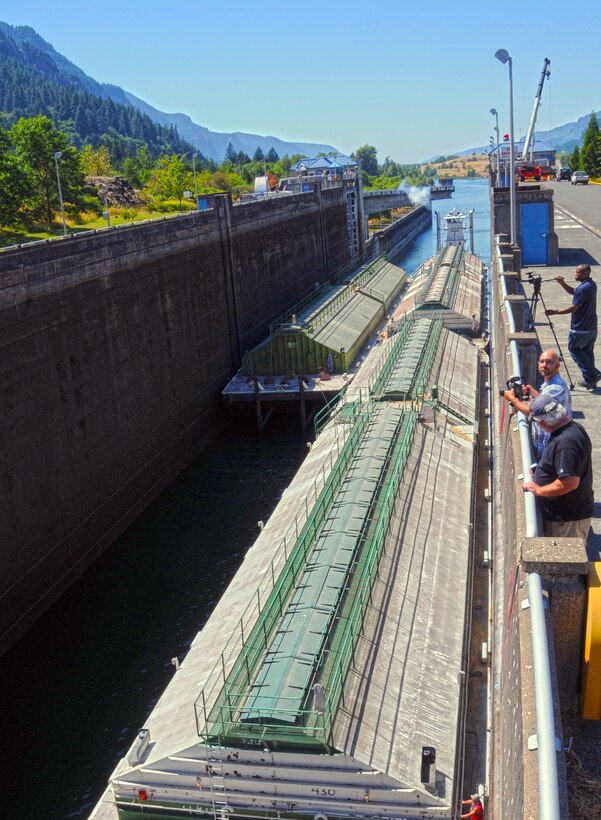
(546, 735)
(530, 511)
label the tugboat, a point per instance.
(454, 224)
(454, 229)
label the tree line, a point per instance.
(28, 89)
(588, 156)
(389, 174)
(35, 155)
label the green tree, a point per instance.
(272, 155)
(575, 159)
(590, 155)
(137, 169)
(367, 158)
(282, 167)
(169, 179)
(96, 162)
(13, 183)
(390, 168)
(37, 142)
(231, 154)
(258, 155)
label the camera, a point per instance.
(518, 385)
(536, 280)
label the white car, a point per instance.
(579, 178)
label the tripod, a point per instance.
(537, 295)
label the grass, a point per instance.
(86, 222)
(458, 167)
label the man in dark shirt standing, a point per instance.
(563, 478)
(583, 328)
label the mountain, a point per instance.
(562, 137)
(26, 59)
(567, 137)
(36, 80)
(213, 144)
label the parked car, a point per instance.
(563, 173)
(579, 178)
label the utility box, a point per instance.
(261, 186)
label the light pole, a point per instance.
(194, 155)
(104, 193)
(495, 114)
(57, 156)
(503, 56)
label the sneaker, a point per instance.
(588, 385)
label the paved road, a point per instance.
(582, 201)
(578, 227)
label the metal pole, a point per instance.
(57, 156)
(107, 214)
(496, 115)
(511, 160)
(194, 172)
(503, 56)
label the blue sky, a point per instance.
(414, 79)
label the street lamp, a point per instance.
(493, 111)
(503, 56)
(104, 193)
(194, 155)
(57, 156)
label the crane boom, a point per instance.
(529, 141)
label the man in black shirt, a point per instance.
(563, 479)
(583, 327)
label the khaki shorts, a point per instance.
(568, 529)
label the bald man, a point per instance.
(553, 387)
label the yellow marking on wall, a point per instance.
(591, 670)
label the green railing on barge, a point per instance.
(311, 729)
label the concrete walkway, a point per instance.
(578, 226)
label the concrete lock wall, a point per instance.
(114, 348)
(395, 237)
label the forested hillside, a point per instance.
(33, 83)
(24, 46)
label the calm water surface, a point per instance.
(75, 690)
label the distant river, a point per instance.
(76, 688)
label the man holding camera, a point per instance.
(563, 478)
(583, 327)
(553, 387)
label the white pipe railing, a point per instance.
(548, 783)
(548, 786)
(530, 511)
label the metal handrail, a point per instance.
(526, 456)
(548, 779)
(548, 785)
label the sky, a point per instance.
(414, 79)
